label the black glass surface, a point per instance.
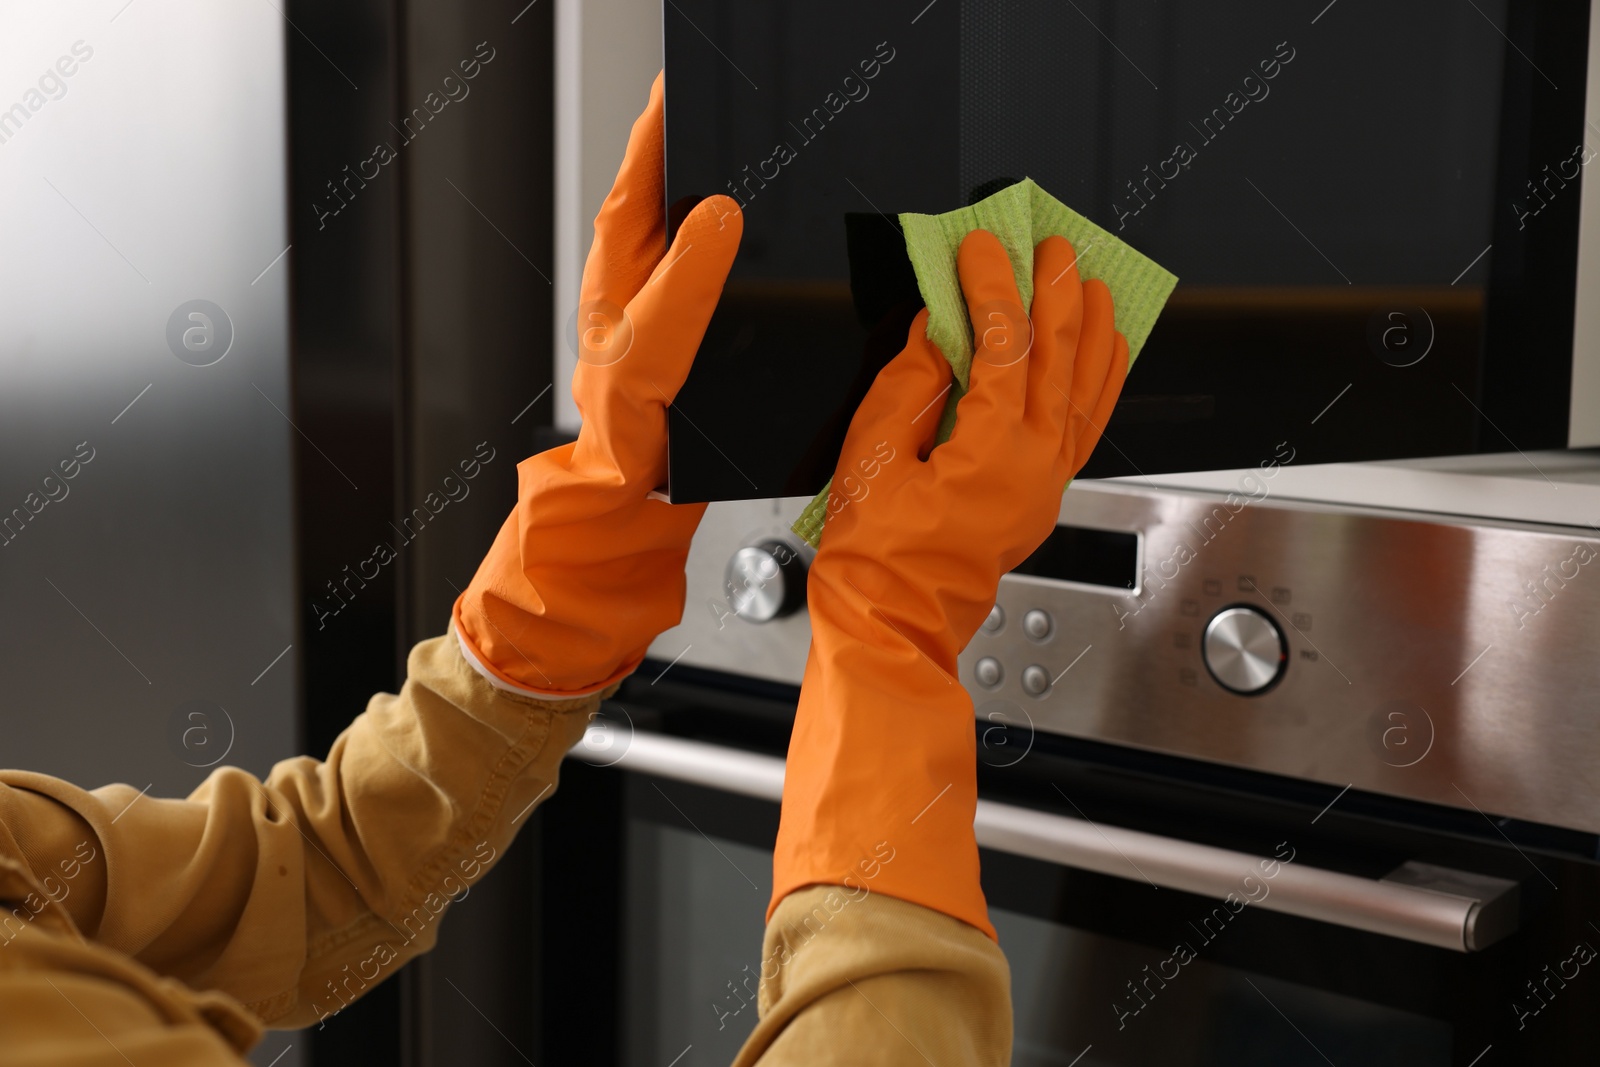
(1372, 209)
(1108, 558)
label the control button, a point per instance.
(1035, 680)
(1036, 624)
(1244, 650)
(988, 672)
(765, 581)
(996, 619)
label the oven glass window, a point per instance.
(692, 953)
(696, 912)
(1071, 993)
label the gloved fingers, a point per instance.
(1076, 452)
(1095, 350)
(899, 417)
(1057, 317)
(1002, 335)
(667, 319)
(626, 380)
(630, 232)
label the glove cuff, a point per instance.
(881, 786)
(511, 685)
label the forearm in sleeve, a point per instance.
(299, 894)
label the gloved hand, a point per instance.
(588, 569)
(883, 760)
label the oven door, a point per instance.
(1352, 936)
(1374, 214)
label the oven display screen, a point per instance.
(1107, 558)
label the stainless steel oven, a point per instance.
(1264, 781)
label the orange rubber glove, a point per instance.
(588, 569)
(881, 786)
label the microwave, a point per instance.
(1380, 215)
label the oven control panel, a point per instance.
(1439, 660)
(1443, 660)
(744, 610)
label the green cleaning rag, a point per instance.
(1021, 215)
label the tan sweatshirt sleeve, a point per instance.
(862, 978)
(297, 895)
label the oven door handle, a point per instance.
(1418, 902)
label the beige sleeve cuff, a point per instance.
(849, 976)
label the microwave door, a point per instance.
(1374, 214)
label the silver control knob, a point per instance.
(996, 619)
(1244, 650)
(988, 672)
(1035, 680)
(1037, 625)
(765, 581)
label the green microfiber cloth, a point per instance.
(1021, 215)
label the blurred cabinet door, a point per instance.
(146, 573)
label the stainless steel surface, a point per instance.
(1442, 660)
(996, 619)
(1446, 661)
(1393, 909)
(1444, 912)
(765, 581)
(148, 592)
(1558, 488)
(714, 766)
(988, 672)
(1497, 899)
(1243, 650)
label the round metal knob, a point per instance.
(1244, 650)
(765, 581)
(996, 619)
(1037, 625)
(1035, 680)
(988, 672)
